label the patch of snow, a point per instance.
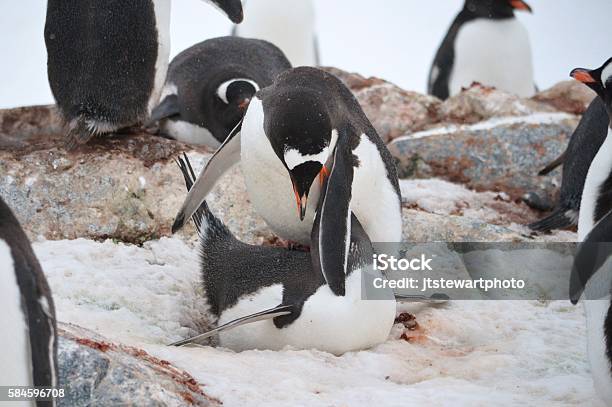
(446, 198)
(537, 118)
(463, 353)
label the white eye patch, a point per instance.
(293, 157)
(222, 89)
(606, 74)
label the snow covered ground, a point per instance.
(462, 353)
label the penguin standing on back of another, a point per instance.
(589, 275)
(287, 297)
(209, 87)
(28, 338)
(301, 130)
(288, 24)
(582, 148)
(485, 44)
(107, 60)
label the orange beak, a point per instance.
(244, 104)
(520, 5)
(583, 76)
(323, 175)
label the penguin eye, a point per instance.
(236, 88)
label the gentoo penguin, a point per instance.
(589, 274)
(308, 125)
(485, 44)
(209, 86)
(28, 346)
(281, 286)
(288, 24)
(583, 145)
(107, 60)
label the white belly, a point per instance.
(288, 24)
(598, 173)
(162, 20)
(328, 322)
(494, 53)
(189, 133)
(596, 311)
(374, 200)
(15, 358)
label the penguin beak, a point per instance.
(232, 8)
(323, 176)
(520, 5)
(243, 104)
(301, 201)
(583, 75)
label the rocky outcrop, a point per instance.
(498, 155)
(94, 371)
(127, 187)
(568, 96)
(395, 112)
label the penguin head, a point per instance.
(600, 80)
(232, 98)
(495, 9)
(232, 8)
(301, 134)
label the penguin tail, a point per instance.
(560, 219)
(550, 167)
(207, 224)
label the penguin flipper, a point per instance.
(591, 256)
(550, 167)
(331, 232)
(190, 177)
(222, 160)
(167, 108)
(258, 316)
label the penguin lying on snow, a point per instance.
(288, 24)
(282, 287)
(582, 148)
(485, 44)
(209, 87)
(28, 345)
(308, 125)
(595, 230)
(107, 60)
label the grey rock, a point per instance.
(503, 155)
(567, 96)
(125, 187)
(423, 227)
(94, 371)
(478, 103)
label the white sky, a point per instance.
(392, 39)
